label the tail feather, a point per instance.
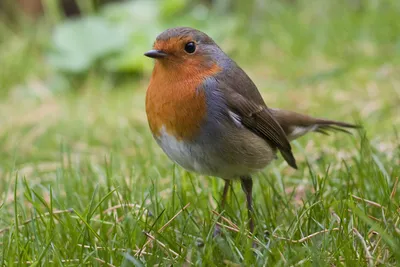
(323, 122)
(296, 125)
(334, 126)
(321, 131)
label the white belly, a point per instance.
(184, 154)
(227, 161)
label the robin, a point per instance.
(209, 117)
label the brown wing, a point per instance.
(259, 119)
(245, 100)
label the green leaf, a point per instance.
(132, 58)
(77, 44)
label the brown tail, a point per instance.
(296, 125)
(328, 125)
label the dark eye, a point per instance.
(190, 47)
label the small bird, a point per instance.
(209, 117)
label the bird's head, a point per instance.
(185, 47)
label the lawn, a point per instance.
(84, 183)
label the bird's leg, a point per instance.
(225, 193)
(247, 186)
(217, 229)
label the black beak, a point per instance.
(155, 54)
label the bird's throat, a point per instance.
(176, 101)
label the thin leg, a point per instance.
(225, 193)
(217, 230)
(247, 186)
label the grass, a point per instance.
(84, 183)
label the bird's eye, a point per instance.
(190, 47)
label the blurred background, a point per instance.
(74, 134)
(303, 39)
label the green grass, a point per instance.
(84, 183)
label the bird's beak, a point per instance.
(155, 54)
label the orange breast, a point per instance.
(175, 101)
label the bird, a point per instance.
(208, 116)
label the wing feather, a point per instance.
(258, 118)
